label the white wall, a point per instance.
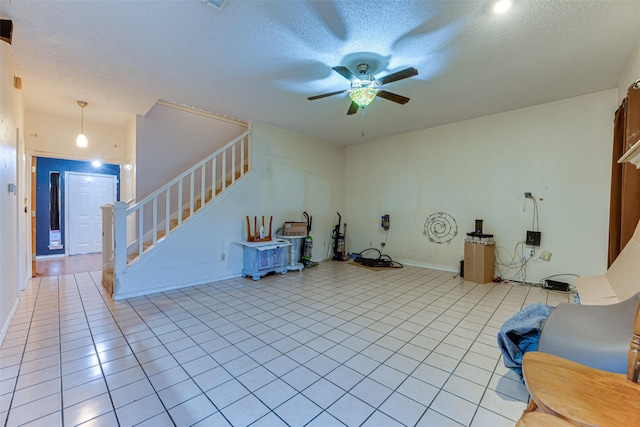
(169, 141)
(128, 169)
(11, 125)
(631, 75)
(49, 135)
(292, 173)
(480, 169)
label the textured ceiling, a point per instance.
(260, 60)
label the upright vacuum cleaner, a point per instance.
(307, 247)
(339, 241)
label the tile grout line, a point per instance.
(394, 352)
(161, 344)
(104, 377)
(60, 353)
(284, 305)
(437, 297)
(354, 334)
(442, 340)
(493, 286)
(245, 354)
(251, 322)
(210, 355)
(26, 341)
(100, 291)
(494, 368)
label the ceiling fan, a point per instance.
(364, 86)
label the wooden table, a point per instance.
(540, 419)
(584, 395)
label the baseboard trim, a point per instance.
(119, 297)
(429, 266)
(5, 327)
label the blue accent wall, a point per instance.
(44, 166)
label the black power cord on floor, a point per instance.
(382, 261)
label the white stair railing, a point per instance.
(160, 213)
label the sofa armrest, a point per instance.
(596, 290)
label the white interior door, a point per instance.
(84, 195)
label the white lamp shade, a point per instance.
(81, 141)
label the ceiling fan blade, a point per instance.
(324, 95)
(402, 74)
(353, 108)
(393, 97)
(345, 72)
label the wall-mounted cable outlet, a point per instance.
(528, 195)
(385, 221)
(533, 238)
(223, 256)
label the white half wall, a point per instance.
(291, 173)
(480, 169)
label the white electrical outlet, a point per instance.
(546, 255)
(223, 256)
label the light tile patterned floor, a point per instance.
(332, 346)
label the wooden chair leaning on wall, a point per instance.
(584, 395)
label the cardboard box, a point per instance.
(479, 261)
(294, 229)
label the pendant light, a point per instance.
(81, 140)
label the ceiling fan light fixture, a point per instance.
(363, 95)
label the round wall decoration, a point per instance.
(440, 227)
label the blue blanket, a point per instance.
(521, 333)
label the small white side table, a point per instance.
(294, 252)
(260, 258)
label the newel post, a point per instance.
(107, 236)
(119, 240)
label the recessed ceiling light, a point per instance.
(501, 6)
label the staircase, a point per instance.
(131, 233)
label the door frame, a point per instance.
(67, 197)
